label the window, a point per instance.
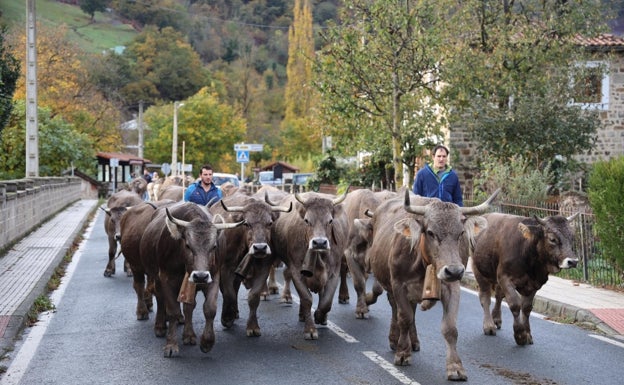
(591, 86)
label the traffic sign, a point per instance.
(242, 156)
(248, 147)
(165, 168)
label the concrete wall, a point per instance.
(26, 203)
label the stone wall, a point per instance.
(26, 203)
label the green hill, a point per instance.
(105, 32)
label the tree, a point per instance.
(208, 127)
(90, 7)
(509, 76)
(60, 145)
(378, 79)
(9, 75)
(301, 133)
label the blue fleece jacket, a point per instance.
(444, 185)
(196, 193)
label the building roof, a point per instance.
(602, 42)
(287, 167)
(124, 158)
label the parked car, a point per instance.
(266, 178)
(219, 178)
(301, 179)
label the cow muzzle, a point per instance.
(319, 243)
(568, 263)
(260, 250)
(451, 273)
(197, 276)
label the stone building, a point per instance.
(609, 101)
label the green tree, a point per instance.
(90, 7)
(509, 75)
(61, 146)
(9, 75)
(378, 80)
(208, 127)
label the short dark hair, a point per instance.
(440, 146)
(206, 167)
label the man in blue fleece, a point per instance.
(204, 190)
(438, 180)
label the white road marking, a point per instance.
(390, 368)
(22, 359)
(608, 340)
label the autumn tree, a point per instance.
(377, 74)
(9, 74)
(90, 7)
(301, 133)
(208, 127)
(509, 76)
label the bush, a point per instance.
(606, 188)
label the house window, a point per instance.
(591, 86)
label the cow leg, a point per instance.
(408, 339)
(286, 294)
(188, 334)
(516, 304)
(127, 268)
(138, 283)
(112, 250)
(358, 276)
(527, 307)
(485, 298)
(262, 268)
(229, 309)
(371, 298)
(210, 311)
(496, 311)
(326, 296)
(305, 308)
(450, 300)
(171, 287)
(160, 323)
(343, 292)
(393, 336)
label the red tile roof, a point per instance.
(122, 157)
(601, 41)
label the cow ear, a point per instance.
(526, 231)
(407, 227)
(173, 229)
(473, 226)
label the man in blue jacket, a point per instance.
(438, 180)
(204, 190)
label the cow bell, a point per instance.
(308, 265)
(188, 291)
(432, 287)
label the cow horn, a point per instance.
(221, 226)
(572, 217)
(236, 209)
(299, 198)
(418, 210)
(282, 208)
(268, 200)
(106, 210)
(341, 198)
(369, 213)
(482, 208)
(178, 222)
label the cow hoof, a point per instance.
(456, 375)
(142, 316)
(264, 296)
(253, 332)
(287, 300)
(343, 300)
(320, 318)
(311, 335)
(489, 330)
(190, 339)
(402, 360)
(361, 315)
(171, 350)
(273, 290)
(160, 331)
(108, 273)
(206, 345)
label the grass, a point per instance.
(105, 32)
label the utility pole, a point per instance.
(140, 128)
(32, 130)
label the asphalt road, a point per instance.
(93, 337)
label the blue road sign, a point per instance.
(242, 156)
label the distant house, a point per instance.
(115, 168)
(280, 168)
(606, 96)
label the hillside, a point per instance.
(104, 33)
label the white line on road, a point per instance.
(390, 368)
(609, 340)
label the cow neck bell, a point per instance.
(432, 287)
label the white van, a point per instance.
(266, 178)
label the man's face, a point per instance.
(439, 159)
(206, 176)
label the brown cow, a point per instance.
(245, 254)
(408, 236)
(514, 257)
(360, 233)
(173, 192)
(182, 239)
(310, 240)
(132, 225)
(116, 206)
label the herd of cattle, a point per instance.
(407, 243)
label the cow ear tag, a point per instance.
(432, 287)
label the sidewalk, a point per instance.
(26, 268)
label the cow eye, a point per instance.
(430, 234)
(552, 239)
(307, 222)
(331, 221)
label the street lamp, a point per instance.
(174, 143)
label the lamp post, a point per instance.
(174, 143)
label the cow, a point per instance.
(116, 206)
(132, 225)
(413, 235)
(514, 256)
(173, 192)
(180, 243)
(356, 205)
(245, 254)
(310, 240)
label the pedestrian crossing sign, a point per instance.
(242, 156)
